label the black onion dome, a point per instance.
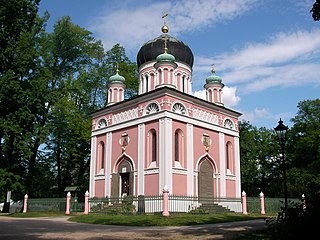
(153, 48)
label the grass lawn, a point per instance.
(159, 220)
(35, 214)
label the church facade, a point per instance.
(165, 137)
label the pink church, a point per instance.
(165, 136)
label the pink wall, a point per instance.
(99, 188)
(151, 185)
(179, 183)
(200, 149)
(231, 189)
(131, 149)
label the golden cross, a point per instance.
(164, 18)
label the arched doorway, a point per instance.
(205, 179)
(122, 181)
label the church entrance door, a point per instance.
(205, 180)
(125, 184)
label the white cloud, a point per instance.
(288, 59)
(229, 96)
(262, 112)
(230, 99)
(131, 26)
(200, 94)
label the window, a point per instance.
(229, 157)
(179, 108)
(183, 83)
(147, 83)
(154, 146)
(178, 149)
(228, 124)
(176, 144)
(102, 155)
(152, 108)
(102, 123)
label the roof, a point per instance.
(72, 189)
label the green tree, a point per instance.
(302, 153)
(260, 169)
(315, 10)
(304, 145)
(10, 182)
(19, 33)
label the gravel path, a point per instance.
(60, 228)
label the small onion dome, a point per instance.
(117, 78)
(166, 57)
(213, 78)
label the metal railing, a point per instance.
(154, 204)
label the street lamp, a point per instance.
(281, 131)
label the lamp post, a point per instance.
(281, 131)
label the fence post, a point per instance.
(86, 202)
(303, 202)
(244, 202)
(262, 203)
(68, 203)
(25, 203)
(165, 192)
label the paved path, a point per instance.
(60, 228)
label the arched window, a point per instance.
(102, 155)
(147, 83)
(183, 83)
(178, 149)
(229, 157)
(154, 146)
(176, 146)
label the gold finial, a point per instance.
(117, 69)
(165, 45)
(212, 70)
(165, 28)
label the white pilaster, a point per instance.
(140, 85)
(190, 162)
(237, 166)
(141, 158)
(165, 154)
(108, 163)
(222, 165)
(92, 165)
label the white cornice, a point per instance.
(162, 114)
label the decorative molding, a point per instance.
(125, 116)
(180, 171)
(228, 123)
(179, 108)
(151, 171)
(102, 123)
(205, 116)
(152, 108)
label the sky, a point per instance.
(267, 52)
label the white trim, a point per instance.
(92, 166)
(163, 114)
(190, 157)
(222, 165)
(237, 166)
(165, 154)
(141, 159)
(108, 163)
